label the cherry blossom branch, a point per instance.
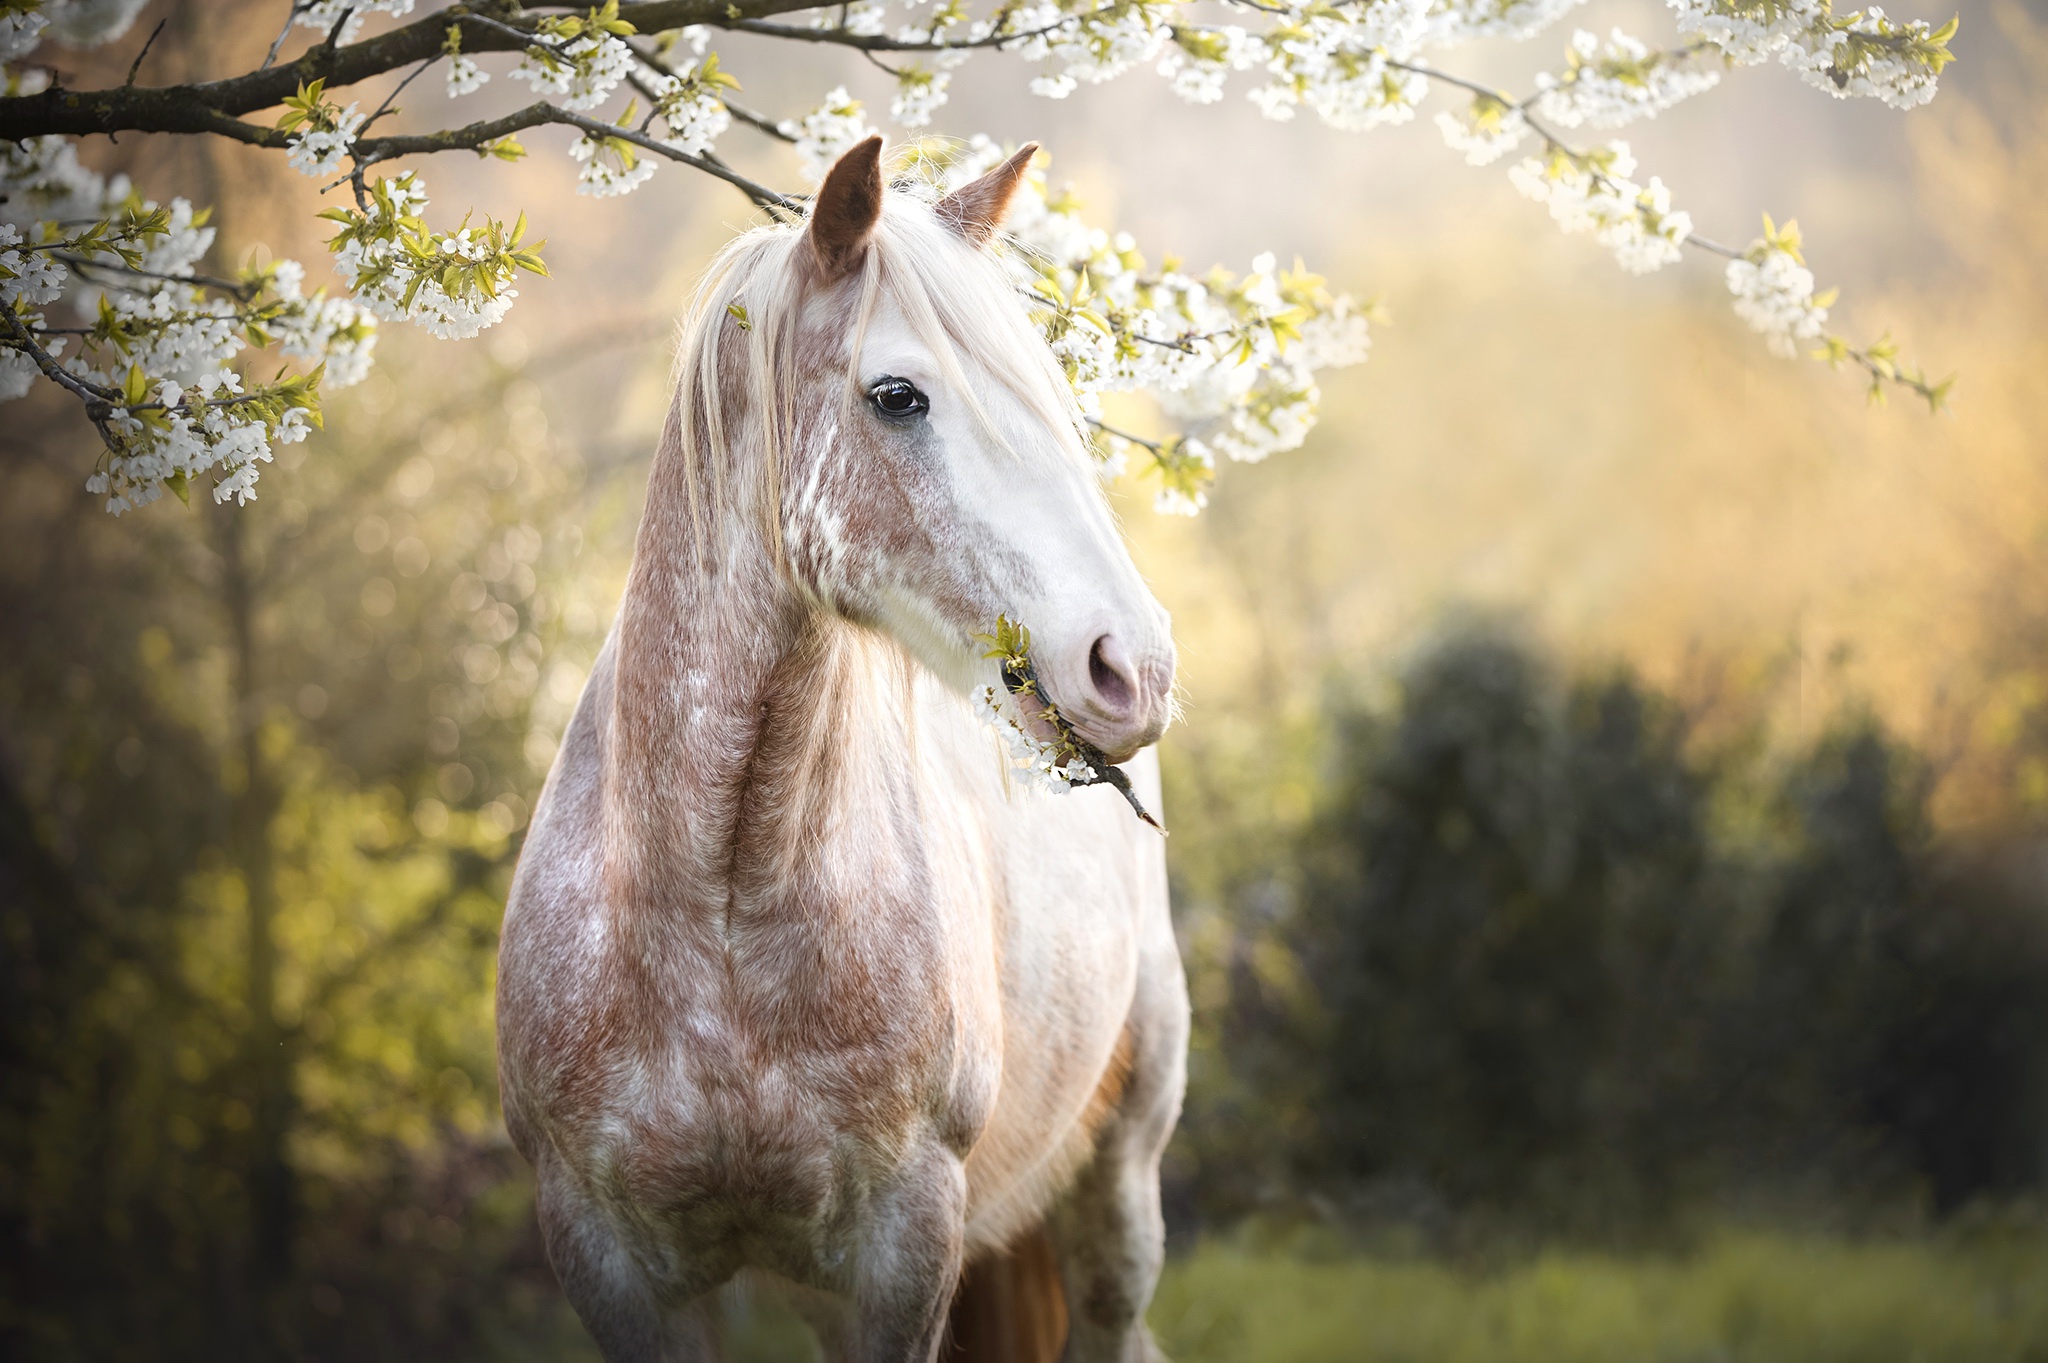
(213, 106)
(880, 42)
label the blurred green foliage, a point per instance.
(1964, 1298)
(265, 775)
(1540, 961)
(1519, 967)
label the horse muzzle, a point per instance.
(1120, 699)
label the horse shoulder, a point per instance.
(551, 949)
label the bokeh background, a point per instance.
(1610, 819)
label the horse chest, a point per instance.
(760, 1083)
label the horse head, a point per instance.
(930, 464)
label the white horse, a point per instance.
(793, 984)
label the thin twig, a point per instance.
(385, 107)
(239, 290)
(147, 44)
(473, 137)
(1155, 446)
(334, 34)
(881, 42)
(277, 43)
(98, 402)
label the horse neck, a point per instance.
(723, 667)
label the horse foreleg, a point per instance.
(610, 1293)
(910, 1258)
(1107, 1229)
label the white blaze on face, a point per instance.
(1012, 518)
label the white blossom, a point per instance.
(1453, 22)
(21, 34)
(691, 114)
(43, 181)
(1489, 132)
(319, 151)
(1594, 195)
(1030, 761)
(1867, 54)
(18, 374)
(1774, 294)
(1614, 85)
(380, 258)
(27, 277)
(583, 71)
(1199, 62)
(1091, 47)
(919, 94)
(323, 15)
(1339, 66)
(181, 248)
(828, 130)
(89, 23)
(610, 167)
(465, 77)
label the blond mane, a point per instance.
(762, 291)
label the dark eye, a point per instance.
(898, 398)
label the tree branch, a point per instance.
(214, 106)
(473, 136)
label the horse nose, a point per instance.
(1114, 679)
(1127, 697)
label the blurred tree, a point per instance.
(1509, 922)
(1539, 959)
(263, 776)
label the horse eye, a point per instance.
(898, 398)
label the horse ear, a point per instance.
(848, 206)
(977, 209)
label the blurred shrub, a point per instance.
(1561, 968)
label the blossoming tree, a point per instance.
(102, 292)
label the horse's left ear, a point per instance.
(848, 206)
(977, 209)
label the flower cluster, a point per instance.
(1232, 359)
(827, 131)
(452, 285)
(691, 105)
(1033, 762)
(21, 28)
(1340, 63)
(1773, 292)
(582, 58)
(1096, 45)
(1060, 762)
(1057, 764)
(154, 359)
(323, 15)
(1489, 130)
(320, 133)
(1454, 22)
(1616, 84)
(611, 166)
(920, 93)
(465, 77)
(1863, 54)
(1591, 192)
(1200, 60)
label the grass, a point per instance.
(1743, 1298)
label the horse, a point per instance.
(797, 987)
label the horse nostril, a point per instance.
(1109, 670)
